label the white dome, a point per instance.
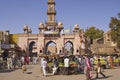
(76, 26)
(41, 24)
(60, 23)
(25, 27)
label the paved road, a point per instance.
(34, 73)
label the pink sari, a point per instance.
(88, 67)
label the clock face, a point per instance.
(51, 7)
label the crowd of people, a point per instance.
(83, 63)
(15, 61)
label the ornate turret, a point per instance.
(60, 26)
(27, 29)
(76, 28)
(41, 27)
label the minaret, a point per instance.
(51, 23)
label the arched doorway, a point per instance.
(68, 47)
(50, 48)
(32, 49)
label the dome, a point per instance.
(25, 27)
(76, 26)
(41, 25)
(60, 24)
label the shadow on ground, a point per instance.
(102, 78)
(29, 72)
(7, 70)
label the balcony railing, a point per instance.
(51, 11)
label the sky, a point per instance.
(14, 14)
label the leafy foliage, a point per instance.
(115, 29)
(93, 33)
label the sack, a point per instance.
(24, 68)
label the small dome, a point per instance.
(76, 26)
(25, 27)
(60, 23)
(41, 25)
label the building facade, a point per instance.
(52, 38)
(104, 45)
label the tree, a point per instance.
(93, 33)
(115, 29)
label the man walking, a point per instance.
(99, 69)
(44, 65)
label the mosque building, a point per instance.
(52, 38)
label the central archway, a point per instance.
(68, 47)
(50, 48)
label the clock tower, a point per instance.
(51, 13)
(51, 24)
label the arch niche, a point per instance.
(31, 49)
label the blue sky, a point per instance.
(14, 14)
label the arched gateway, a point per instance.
(51, 37)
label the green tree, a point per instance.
(93, 33)
(115, 29)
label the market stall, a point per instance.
(73, 65)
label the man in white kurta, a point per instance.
(44, 65)
(66, 65)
